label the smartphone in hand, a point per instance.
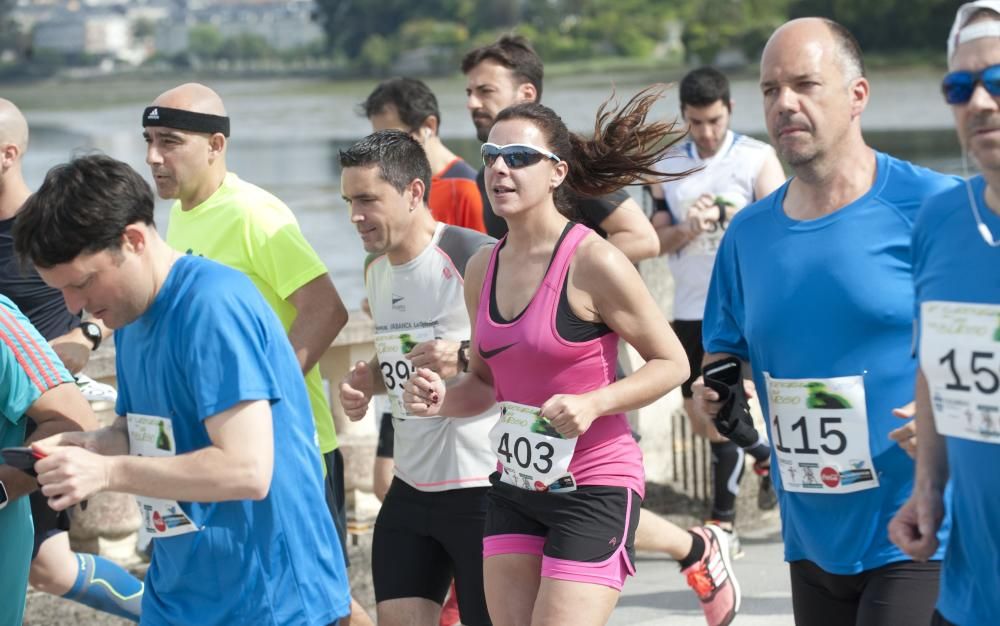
(22, 458)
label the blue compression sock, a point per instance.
(106, 586)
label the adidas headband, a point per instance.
(185, 120)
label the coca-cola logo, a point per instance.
(830, 477)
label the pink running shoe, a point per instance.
(712, 578)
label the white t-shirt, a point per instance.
(729, 175)
(420, 299)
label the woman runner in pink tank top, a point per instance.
(549, 302)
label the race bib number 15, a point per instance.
(960, 357)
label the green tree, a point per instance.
(205, 41)
(887, 25)
(245, 47)
(376, 55)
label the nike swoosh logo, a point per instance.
(489, 354)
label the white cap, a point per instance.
(960, 33)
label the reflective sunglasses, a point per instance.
(957, 87)
(515, 155)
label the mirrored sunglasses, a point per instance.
(515, 155)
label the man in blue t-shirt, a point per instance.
(956, 256)
(813, 287)
(215, 436)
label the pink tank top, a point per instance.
(531, 362)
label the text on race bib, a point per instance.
(960, 357)
(819, 431)
(531, 453)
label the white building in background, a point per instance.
(104, 28)
(283, 25)
(104, 33)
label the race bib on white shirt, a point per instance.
(819, 432)
(392, 348)
(531, 453)
(707, 242)
(960, 357)
(154, 436)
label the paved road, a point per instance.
(658, 594)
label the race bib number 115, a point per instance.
(819, 431)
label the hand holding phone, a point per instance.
(22, 458)
(733, 420)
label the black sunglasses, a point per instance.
(957, 87)
(515, 155)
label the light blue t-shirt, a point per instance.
(826, 298)
(208, 342)
(952, 263)
(28, 368)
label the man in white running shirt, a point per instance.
(430, 527)
(731, 171)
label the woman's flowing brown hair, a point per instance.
(623, 150)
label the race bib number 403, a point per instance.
(819, 432)
(392, 348)
(532, 454)
(960, 357)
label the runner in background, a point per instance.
(729, 171)
(509, 72)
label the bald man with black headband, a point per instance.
(221, 217)
(956, 247)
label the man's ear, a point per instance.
(527, 92)
(417, 190)
(217, 144)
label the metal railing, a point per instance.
(692, 459)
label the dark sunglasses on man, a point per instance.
(516, 155)
(958, 87)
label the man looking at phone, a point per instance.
(692, 213)
(33, 384)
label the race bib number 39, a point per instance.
(531, 453)
(960, 357)
(392, 348)
(819, 432)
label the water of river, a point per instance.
(286, 134)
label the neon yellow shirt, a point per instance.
(250, 230)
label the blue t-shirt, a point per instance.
(826, 298)
(953, 264)
(208, 342)
(28, 368)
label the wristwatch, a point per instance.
(3, 496)
(463, 355)
(92, 332)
